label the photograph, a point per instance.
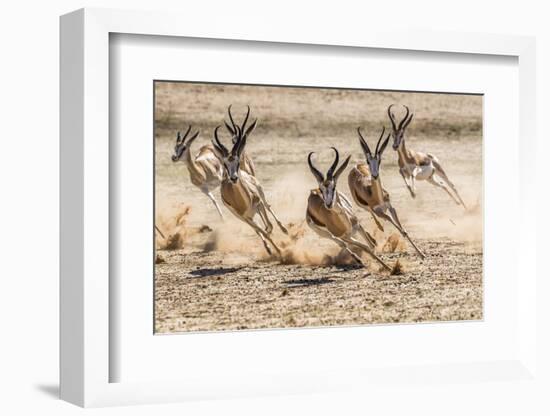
(279, 207)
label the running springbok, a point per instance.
(205, 169)
(416, 165)
(367, 191)
(246, 162)
(241, 192)
(330, 214)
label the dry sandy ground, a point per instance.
(217, 276)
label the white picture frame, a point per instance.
(85, 164)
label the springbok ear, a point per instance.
(342, 168)
(229, 128)
(193, 137)
(383, 147)
(251, 128)
(408, 122)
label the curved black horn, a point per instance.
(231, 117)
(330, 172)
(245, 118)
(318, 175)
(405, 118)
(381, 136)
(239, 145)
(236, 135)
(408, 121)
(363, 141)
(391, 116)
(219, 144)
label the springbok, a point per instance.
(330, 214)
(367, 191)
(246, 161)
(241, 192)
(205, 169)
(416, 165)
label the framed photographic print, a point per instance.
(272, 213)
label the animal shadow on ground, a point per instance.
(307, 282)
(218, 271)
(346, 267)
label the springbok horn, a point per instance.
(330, 172)
(246, 118)
(363, 141)
(219, 144)
(231, 117)
(236, 135)
(405, 118)
(318, 175)
(391, 116)
(238, 147)
(182, 139)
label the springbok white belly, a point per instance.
(422, 172)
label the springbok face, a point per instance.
(398, 130)
(231, 159)
(374, 160)
(327, 185)
(182, 144)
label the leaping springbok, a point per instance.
(241, 192)
(246, 161)
(330, 214)
(367, 191)
(416, 165)
(205, 169)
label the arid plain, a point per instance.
(214, 275)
